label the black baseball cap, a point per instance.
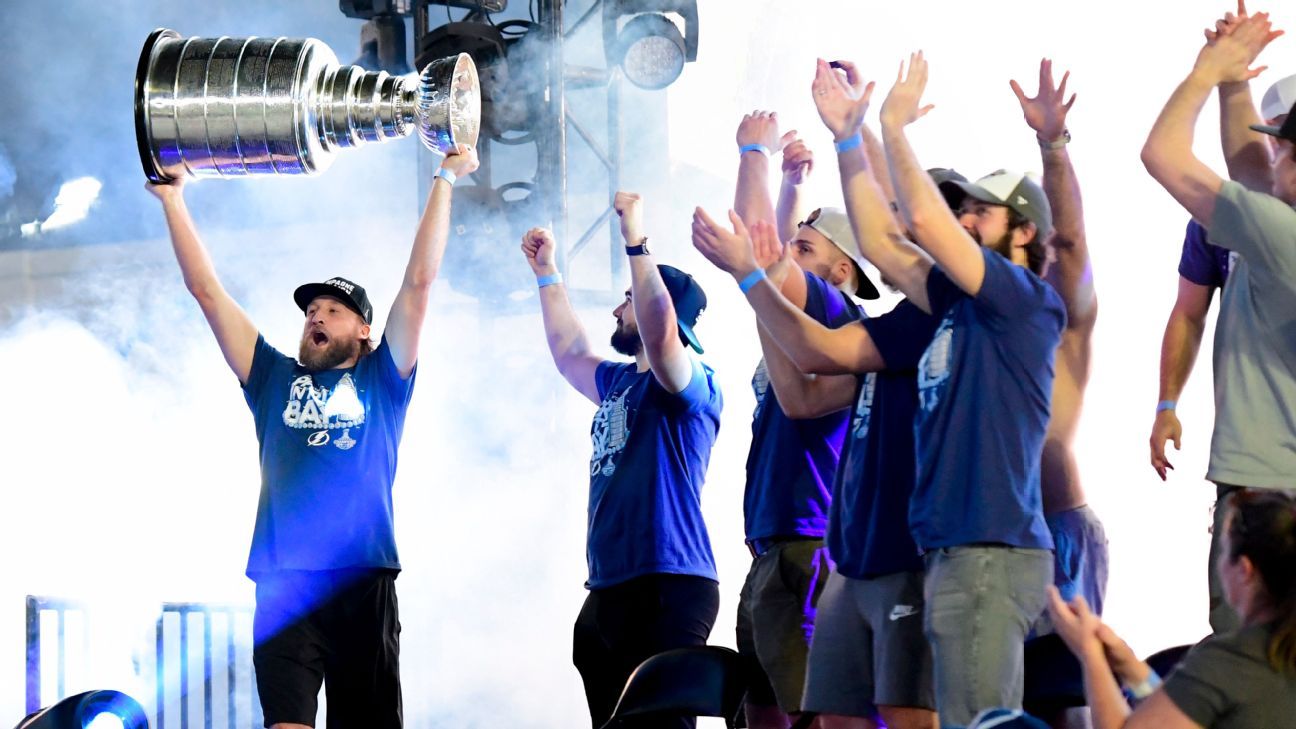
(689, 300)
(1286, 131)
(348, 292)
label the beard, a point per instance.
(1001, 245)
(333, 354)
(626, 340)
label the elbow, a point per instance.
(1154, 158)
(421, 278)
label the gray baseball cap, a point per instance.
(1018, 192)
(1279, 99)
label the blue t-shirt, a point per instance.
(791, 463)
(869, 534)
(984, 389)
(651, 450)
(1201, 262)
(328, 443)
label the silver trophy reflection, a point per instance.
(233, 107)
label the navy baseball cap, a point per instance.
(689, 300)
(348, 292)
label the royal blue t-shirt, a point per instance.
(984, 389)
(328, 443)
(791, 463)
(1202, 262)
(869, 533)
(651, 450)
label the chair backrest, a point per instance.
(1165, 661)
(697, 681)
(1054, 680)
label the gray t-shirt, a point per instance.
(1254, 443)
(1226, 682)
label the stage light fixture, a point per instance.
(648, 45)
(510, 65)
(89, 710)
(382, 45)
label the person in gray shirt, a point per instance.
(1244, 679)
(1254, 441)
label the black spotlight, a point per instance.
(382, 38)
(648, 45)
(90, 710)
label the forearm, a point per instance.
(751, 197)
(430, 239)
(789, 212)
(877, 163)
(563, 330)
(1179, 349)
(801, 395)
(1245, 152)
(809, 346)
(1168, 153)
(1074, 275)
(195, 263)
(877, 233)
(927, 216)
(1107, 705)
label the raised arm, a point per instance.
(235, 333)
(1246, 153)
(842, 103)
(405, 321)
(568, 343)
(1168, 153)
(653, 310)
(811, 346)
(798, 163)
(1179, 347)
(1072, 271)
(751, 194)
(928, 217)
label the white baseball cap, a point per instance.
(1279, 99)
(834, 224)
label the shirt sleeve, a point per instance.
(398, 388)
(901, 335)
(826, 304)
(1202, 686)
(605, 376)
(942, 293)
(264, 359)
(1196, 262)
(1260, 227)
(699, 394)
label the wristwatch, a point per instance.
(638, 250)
(1058, 143)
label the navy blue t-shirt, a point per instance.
(791, 463)
(328, 443)
(651, 450)
(1202, 262)
(869, 534)
(984, 389)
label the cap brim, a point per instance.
(865, 290)
(307, 293)
(976, 192)
(689, 336)
(1272, 131)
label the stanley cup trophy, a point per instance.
(233, 107)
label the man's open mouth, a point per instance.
(319, 338)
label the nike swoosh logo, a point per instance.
(902, 611)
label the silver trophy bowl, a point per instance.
(234, 107)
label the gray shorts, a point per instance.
(776, 616)
(869, 648)
(981, 601)
(1079, 560)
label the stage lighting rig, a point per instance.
(92, 709)
(640, 37)
(382, 37)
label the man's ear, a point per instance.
(1024, 235)
(364, 331)
(841, 271)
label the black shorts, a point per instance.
(340, 628)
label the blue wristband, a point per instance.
(752, 279)
(754, 148)
(548, 280)
(1167, 405)
(849, 143)
(446, 175)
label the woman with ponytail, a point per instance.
(1245, 679)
